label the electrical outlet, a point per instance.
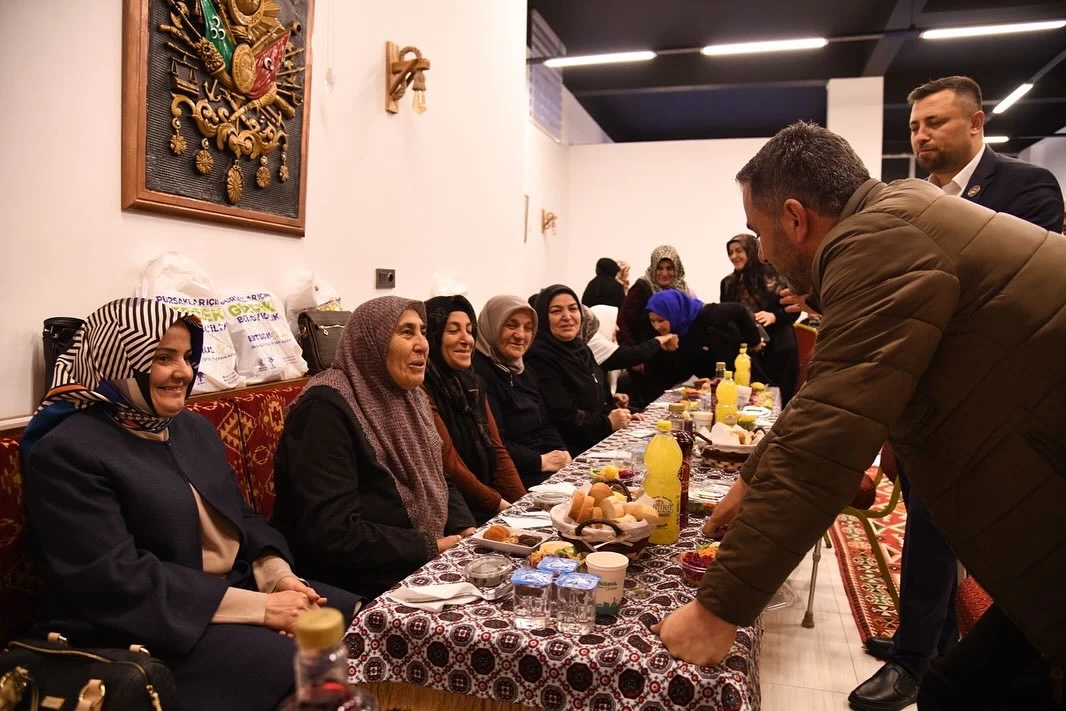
(386, 278)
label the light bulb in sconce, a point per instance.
(418, 87)
(405, 67)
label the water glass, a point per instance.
(636, 459)
(575, 603)
(532, 597)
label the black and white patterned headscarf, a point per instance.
(110, 361)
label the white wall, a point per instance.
(1051, 154)
(628, 198)
(437, 192)
(855, 110)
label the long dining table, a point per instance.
(471, 656)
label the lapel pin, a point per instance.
(972, 192)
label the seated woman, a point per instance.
(571, 384)
(474, 457)
(758, 287)
(604, 287)
(647, 381)
(613, 358)
(143, 532)
(361, 492)
(709, 333)
(505, 329)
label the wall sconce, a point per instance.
(547, 220)
(403, 67)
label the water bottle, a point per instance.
(322, 666)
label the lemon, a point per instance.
(609, 472)
(746, 421)
(758, 387)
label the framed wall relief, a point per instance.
(214, 110)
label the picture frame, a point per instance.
(215, 120)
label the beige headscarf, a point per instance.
(397, 423)
(492, 318)
(659, 254)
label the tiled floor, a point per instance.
(816, 669)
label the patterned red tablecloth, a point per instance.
(621, 666)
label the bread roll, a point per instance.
(575, 505)
(597, 513)
(612, 508)
(600, 491)
(643, 513)
(497, 533)
(586, 510)
(626, 519)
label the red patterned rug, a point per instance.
(871, 604)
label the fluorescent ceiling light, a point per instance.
(1011, 98)
(613, 58)
(996, 139)
(717, 50)
(953, 32)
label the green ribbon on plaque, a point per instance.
(215, 31)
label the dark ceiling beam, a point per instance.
(888, 46)
(678, 88)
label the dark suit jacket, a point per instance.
(119, 530)
(1017, 188)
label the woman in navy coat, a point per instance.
(143, 532)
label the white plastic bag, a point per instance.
(179, 282)
(311, 292)
(266, 348)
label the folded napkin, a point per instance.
(435, 598)
(608, 454)
(563, 487)
(528, 520)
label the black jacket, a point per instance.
(339, 510)
(716, 335)
(1017, 188)
(520, 416)
(603, 290)
(576, 401)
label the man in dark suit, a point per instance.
(947, 136)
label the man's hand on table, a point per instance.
(554, 461)
(694, 634)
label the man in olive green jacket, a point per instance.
(944, 331)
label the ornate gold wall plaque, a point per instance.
(214, 109)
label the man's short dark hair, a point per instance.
(808, 163)
(965, 88)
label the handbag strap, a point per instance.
(92, 695)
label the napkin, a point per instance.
(563, 487)
(609, 454)
(435, 598)
(528, 520)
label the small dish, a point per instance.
(527, 542)
(546, 500)
(695, 563)
(488, 571)
(756, 411)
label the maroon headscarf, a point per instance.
(398, 423)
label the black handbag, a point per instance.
(320, 332)
(38, 674)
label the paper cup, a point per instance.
(743, 396)
(703, 419)
(611, 567)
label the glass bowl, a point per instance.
(488, 571)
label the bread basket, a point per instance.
(599, 535)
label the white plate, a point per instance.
(756, 410)
(641, 432)
(512, 548)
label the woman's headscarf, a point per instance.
(458, 393)
(494, 315)
(397, 423)
(109, 365)
(677, 308)
(590, 325)
(659, 254)
(574, 354)
(605, 266)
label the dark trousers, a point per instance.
(994, 667)
(927, 623)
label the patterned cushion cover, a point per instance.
(20, 582)
(262, 417)
(223, 415)
(971, 602)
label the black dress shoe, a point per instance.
(879, 648)
(891, 688)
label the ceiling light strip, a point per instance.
(1011, 98)
(985, 30)
(719, 50)
(589, 59)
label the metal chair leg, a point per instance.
(808, 616)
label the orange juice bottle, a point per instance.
(662, 483)
(743, 366)
(726, 409)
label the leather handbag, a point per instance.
(320, 332)
(36, 675)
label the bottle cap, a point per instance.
(720, 364)
(319, 629)
(663, 426)
(729, 374)
(676, 408)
